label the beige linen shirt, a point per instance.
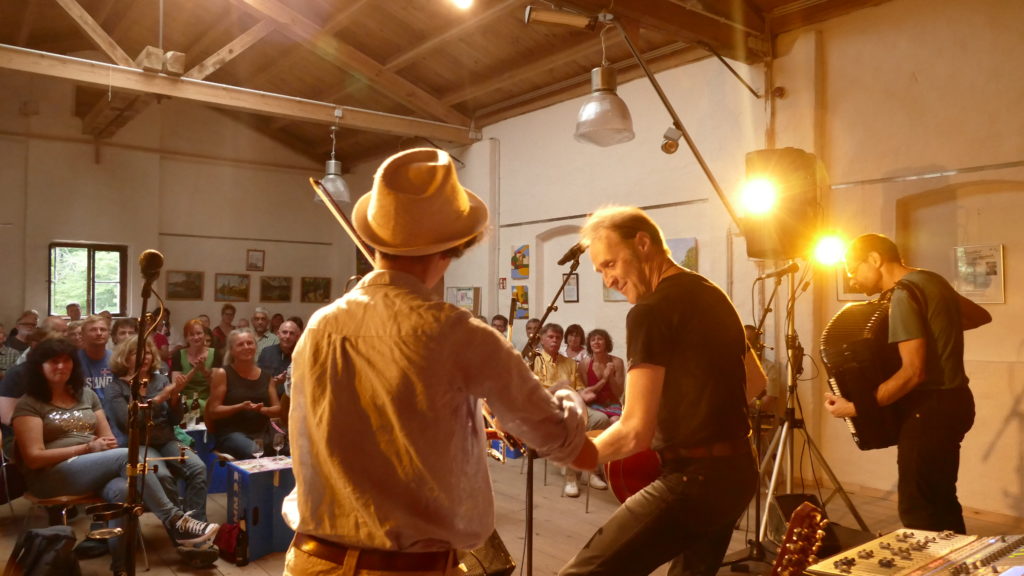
(386, 431)
(551, 371)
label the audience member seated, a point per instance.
(66, 446)
(123, 328)
(191, 366)
(261, 326)
(574, 347)
(276, 358)
(75, 332)
(605, 374)
(8, 355)
(12, 388)
(242, 399)
(275, 322)
(94, 357)
(165, 411)
(227, 324)
(74, 311)
(500, 323)
(556, 372)
(18, 337)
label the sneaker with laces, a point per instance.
(185, 529)
(571, 488)
(597, 483)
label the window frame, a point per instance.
(87, 306)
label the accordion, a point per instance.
(858, 358)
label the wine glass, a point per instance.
(279, 442)
(257, 451)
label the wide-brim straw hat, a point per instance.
(417, 206)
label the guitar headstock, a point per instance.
(804, 534)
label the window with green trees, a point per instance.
(94, 275)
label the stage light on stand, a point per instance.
(758, 197)
(332, 180)
(829, 250)
(788, 231)
(604, 118)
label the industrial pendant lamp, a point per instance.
(332, 181)
(604, 118)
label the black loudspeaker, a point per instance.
(783, 506)
(490, 559)
(787, 231)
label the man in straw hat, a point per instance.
(386, 428)
(685, 398)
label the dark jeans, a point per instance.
(687, 515)
(933, 424)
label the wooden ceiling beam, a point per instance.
(527, 71)
(348, 58)
(230, 50)
(408, 56)
(264, 103)
(27, 21)
(690, 26)
(343, 16)
(95, 32)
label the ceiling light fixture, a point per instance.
(332, 181)
(675, 132)
(604, 118)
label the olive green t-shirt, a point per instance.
(62, 427)
(938, 323)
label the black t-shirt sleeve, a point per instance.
(646, 340)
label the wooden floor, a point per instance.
(561, 525)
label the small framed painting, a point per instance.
(979, 273)
(315, 289)
(572, 288)
(845, 292)
(231, 288)
(254, 260)
(184, 285)
(275, 288)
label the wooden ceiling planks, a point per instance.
(414, 58)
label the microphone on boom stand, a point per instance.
(150, 262)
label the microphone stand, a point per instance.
(755, 551)
(530, 354)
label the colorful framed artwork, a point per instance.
(231, 287)
(684, 252)
(315, 289)
(254, 260)
(464, 297)
(979, 273)
(521, 294)
(184, 285)
(520, 262)
(275, 288)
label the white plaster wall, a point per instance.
(217, 190)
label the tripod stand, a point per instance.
(782, 442)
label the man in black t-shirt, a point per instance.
(685, 398)
(929, 391)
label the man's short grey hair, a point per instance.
(261, 309)
(625, 222)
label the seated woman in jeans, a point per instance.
(242, 398)
(166, 408)
(66, 446)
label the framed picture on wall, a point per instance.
(184, 285)
(572, 288)
(275, 288)
(845, 291)
(979, 273)
(254, 260)
(467, 297)
(315, 289)
(231, 287)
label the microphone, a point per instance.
(787, 269)
(575, 252)
(151, 262)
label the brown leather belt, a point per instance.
(370, 559)
(713, 450)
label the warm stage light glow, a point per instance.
(829, 250)
(758, 197)
(463, 4)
